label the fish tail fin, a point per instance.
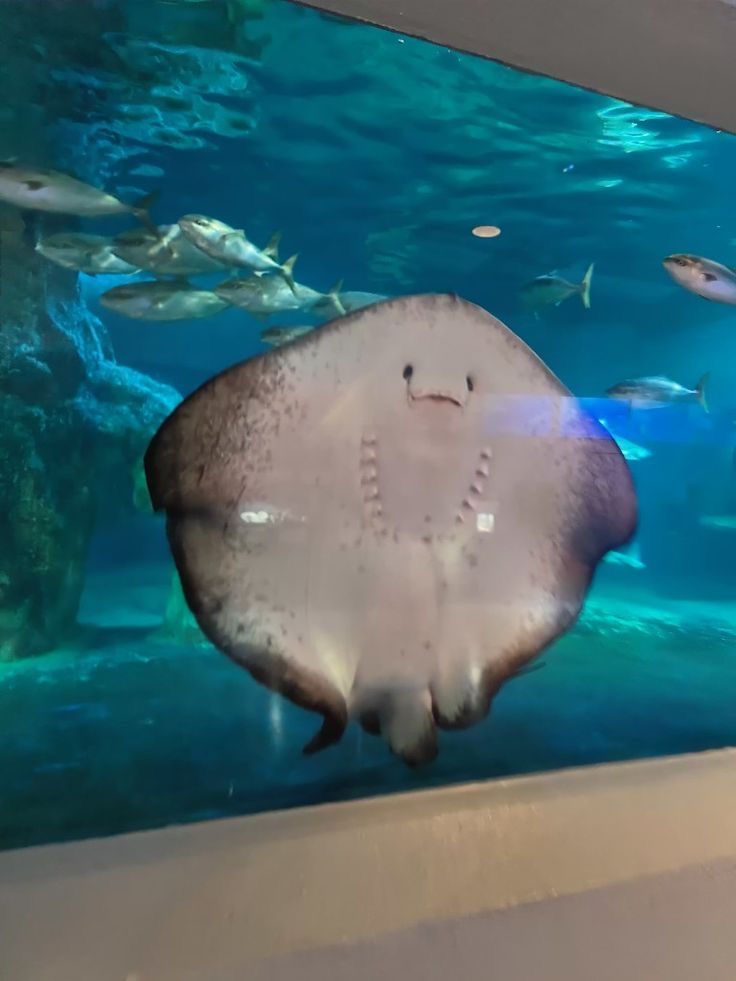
(700, 392)
(141, 208)
(334, 295)
(528, 669)
(287, 271)
(272, 249)
(585, 286)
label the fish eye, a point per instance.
(679, 261)
(469, 383)
(408, 372)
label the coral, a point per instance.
(73, 426)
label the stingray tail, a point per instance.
(585, 286)
(287, 271)
(272, 249)
(700, 392)
(141, 209)
(406, 722)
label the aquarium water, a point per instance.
(390, 166)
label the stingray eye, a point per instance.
(408, 372)
(469, 383)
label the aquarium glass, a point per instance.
(391, 166)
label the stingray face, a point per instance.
(445, 386)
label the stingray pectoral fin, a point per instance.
(304, 688)
(331, 732)
(458, 702)
(211, 554)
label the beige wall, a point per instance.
(559, 867)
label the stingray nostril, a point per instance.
(408, 372)
(469, 383)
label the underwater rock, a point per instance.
(179, 624)
(72, 425)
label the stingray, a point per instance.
(389, 517)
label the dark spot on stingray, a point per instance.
(408, 372)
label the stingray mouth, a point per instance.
(437, 397)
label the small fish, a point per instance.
(352, 300)
(629, 555)
(547, 290)
(721, 522)
(631, 451)
(162, 301)
(704, 277)
(528, 669)
(655, 392)
(166, 253)
(49, 190)
(91, 254)
(263, 295)
(276, 336)
(231, 247)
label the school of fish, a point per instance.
(254, 279)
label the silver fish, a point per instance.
(49, 190)
(552, 290)
(166, 253)
(276, 336)
(628, 555)
(703, 277)
(263, 295)
(91, 254)
(162, 301)
(231, 247)
(351, 300)
(658, 391)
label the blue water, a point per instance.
(375, 155)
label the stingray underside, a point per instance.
(387, 518)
